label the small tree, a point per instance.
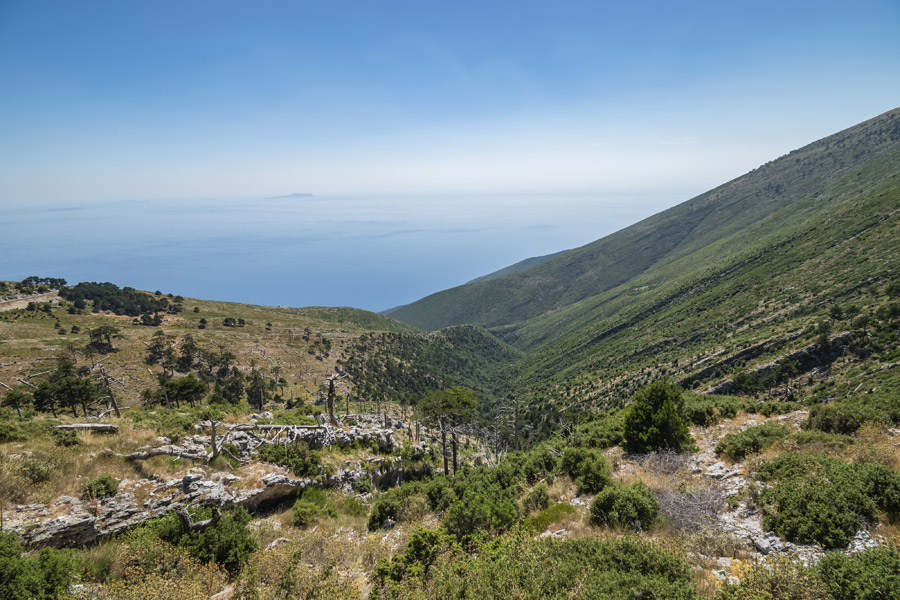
(654, 420)
(449, 408)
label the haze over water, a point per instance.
(366, 252)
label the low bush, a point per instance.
(420, 553)
(870, 575)
(296, 457)
(588, 469)
(477, 513)
(630, 506)
(228, 543)
(312, 503)
(602, 431)
(751, 440)
(537, 499)
(44, 575)
(65, 438)
(294, 416)
(10, 432)
(519, 566)
(37, 468)
(821, 499)
(846, 416)
(821, 439)
(103, 486)
(387, 504)
(707, 409)
(539, 464)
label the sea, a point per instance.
(367, 251)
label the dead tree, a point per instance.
(329, 400)
(190, 526)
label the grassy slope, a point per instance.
(26, 336)
(776, 291)
(698, 234)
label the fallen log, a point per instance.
(101, 427)
(165, 451)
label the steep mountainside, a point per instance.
(754, 210)
(519, 266)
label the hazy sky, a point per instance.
(112, 100)
(104, 101)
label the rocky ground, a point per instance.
(68, 521)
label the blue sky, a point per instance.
(107, 101)
(138, 100)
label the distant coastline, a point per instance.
(289, 196)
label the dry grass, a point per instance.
(875, 444)
(562, 489)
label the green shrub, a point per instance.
(10, 432)
(166, 422)
(228, 543)
(706, 409)
(387, 504)
(103, 486)
(846, 416)
(520, 566)
(65, 438)
(817, 498)
(632, 506)
(422, 550)
(536, 499)
(363, 485)
(475, 512)
(751, 440)
(870, 575)
(304, 512)
(654, 420)
(312, 503)
(602, 432)
(588, 469)
(540, 463)
(45, 575)
(296, 457)
(37, 468)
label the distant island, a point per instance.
(289, 196)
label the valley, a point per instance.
(705, 404)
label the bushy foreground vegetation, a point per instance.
(821, 499)
(519, 566)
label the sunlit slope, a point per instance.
(700, 234)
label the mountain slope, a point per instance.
(695, 235)
(519, 266)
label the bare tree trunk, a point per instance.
(518, 447)
(212, 440)
(444, 446)
(188, 523)
(329, 401)
(112, 397)
(453, 443)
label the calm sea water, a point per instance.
(367, 252)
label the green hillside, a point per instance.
(709, 230)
